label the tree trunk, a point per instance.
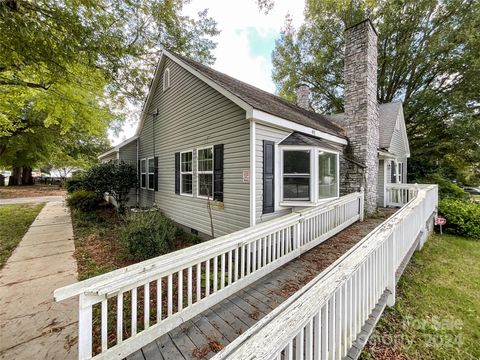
(27, 178)
(16, 177)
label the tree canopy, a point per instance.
(428, 57)
(77, 66)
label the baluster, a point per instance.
(146, 313)
(289, 351)
(207, 277)
(299, 345)
(249, 258)
(230, 268)
(199, 282)
(134, 311)
(339, 323)
(331, 326)
(242, 262)
(264, 250)
(222, 269)
(269, 249)
(159, 300)
(215, 274)
(169, 295)
(309, 340)
(189, 286)
(274, 246)
(119, 318)
(317, 336)
(104, 325)
(237, 262)
(324, 332)
(254, 255)
(180, 290)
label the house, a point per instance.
(205, 135)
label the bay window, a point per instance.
(327, 175)
(205, 172)
(186, 173)
(296, 175)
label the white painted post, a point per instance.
(391, 282)
(362, 204)
(84, 328)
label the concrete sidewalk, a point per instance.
(33, 199)
(32, 326)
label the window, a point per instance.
(166, 79)
(296, 175)
(205, 172)
(327, 175)
(393, 172)
(400, 173)
(151, 174)
(186, 173)
(143, 174)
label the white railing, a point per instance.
(126, 309)
(324, 318)
(398, 195)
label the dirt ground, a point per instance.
(11, 192)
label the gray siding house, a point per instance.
(205, 137)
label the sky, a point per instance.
(245, 44)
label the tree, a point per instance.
(78, 64)
(428, 57)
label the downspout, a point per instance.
(253, 218)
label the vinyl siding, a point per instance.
(194, 115)
(397, 144)
(128, 154)
(264, 132)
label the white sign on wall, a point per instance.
(246, 175)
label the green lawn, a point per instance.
(14, 223)
(437, 314)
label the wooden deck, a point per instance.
(207, 333)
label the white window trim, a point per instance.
(166, 79)
(185, 173)
(143, 173)
(147, 169)
(205, 172)
(314, 193)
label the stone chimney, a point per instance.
(303, 96)
(361, 107)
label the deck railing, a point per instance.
(324, 318)
(121, 311)
(398, 195)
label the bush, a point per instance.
(446, 188)
(83, 200)
(147, 234)
(74, 183)
(463, 216)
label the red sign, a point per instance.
(440, 220)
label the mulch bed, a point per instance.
(11, 192)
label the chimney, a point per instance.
(303, 96)
(361, 107)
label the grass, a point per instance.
(437, 313)
(14, 223)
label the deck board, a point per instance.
(228, 319)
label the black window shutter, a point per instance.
(218, 172)
(268, 176)
(155, 173)
(139, 176)
(177, 173)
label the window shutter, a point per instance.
(155, 173)
(177, 173)
(218, 172)
(268, 176)
(139, 175)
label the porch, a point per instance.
(194, 302)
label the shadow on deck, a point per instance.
(209, 332)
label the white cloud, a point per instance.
(241, 24)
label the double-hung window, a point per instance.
(151, 173)
(186, 173)
(327, 175)
(296, 175)
(143, 173)
(205, 172)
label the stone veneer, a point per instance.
(361, 111)
(303, 96)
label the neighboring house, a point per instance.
(203, 134)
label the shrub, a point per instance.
(74, 183)
(463, 216)
(446, 188)
(147, 234)
(83, 200)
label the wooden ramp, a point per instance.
(207, 333)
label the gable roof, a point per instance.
(297, 138)
(265, 101)
(115, 149)
(388, 114)
(247, 97)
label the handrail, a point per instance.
(326, 315)
(187, 282)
